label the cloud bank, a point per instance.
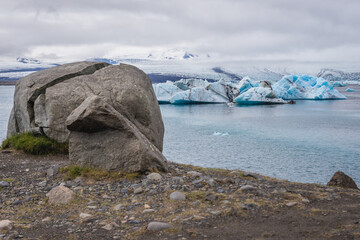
(263, 29)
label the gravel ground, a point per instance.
(186, 203)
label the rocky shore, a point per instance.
(186, 203)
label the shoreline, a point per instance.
(218, 203)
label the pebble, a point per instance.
(138, 190)
(146, 206)
(4, 184)
(118, 207)
(60, 195)
(148, 211)
(178, 180)
(47, 219)
(154, 177)
(5, 225)
(158, 226)
(42, 183)
(52, 171)
(210, 197)
(84, 215)
(177, 196)
(247, 188)
(291, 204)
(194, 173)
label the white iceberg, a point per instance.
(164, 91)
(186, 84)
(350, 90)
(339, 84)
(259, 95)
(226, 89)
(294, 87)
(245, 84)
(197, 95)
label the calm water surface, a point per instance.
(305, 142)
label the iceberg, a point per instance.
(226, 89)
(197, 95)
(186, 84)
(350, 90)
(339, 84)
(164, 91)
(294, 87)
(245, 84)
(263, 94)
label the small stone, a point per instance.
(194, 173)
(52, 171)
(158, 226)
(92, 207)
(291, 204)
(177, 196)
(118, 207)
(4, 184)
(210, 197)
(108, 227)
(253, 175)
(178, 180)
(148, 211)
(154, 176)
(5, 225)
(85, 215)
(60, 195)
(47, 219)
(138, 190)
(106, 196)
(42, 183)
(248, 188)
(146, 206)
(305, 200)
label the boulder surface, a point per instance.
(340, 179)
(114, 120)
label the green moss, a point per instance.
(35, 144)
(71, 172)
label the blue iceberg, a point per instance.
(197, 95)
(350, 90)
(293, 87)
(164, 91)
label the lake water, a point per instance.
(305, 142)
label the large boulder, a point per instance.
(45, 99)
(103, 138)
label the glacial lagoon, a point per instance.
(304, 142)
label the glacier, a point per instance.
(305, 87)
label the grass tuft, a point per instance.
(73, 171)
(35, 144)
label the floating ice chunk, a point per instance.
(225, 89)
(186, 84)
(339, 84)
(350, 90)
(245, 84)
(225, 134)
(217, 133)
(164, 91)
(197, 95)
(259, 95)
(293, 87)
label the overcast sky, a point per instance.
(230, 29)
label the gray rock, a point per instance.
(103, 138)
(178, 180)
(177, 196)
(158, 226)
(42, 183)
(138, 190)
(60, 195)
(154, 176)
(52, 171)
(194, 173)
(248, 188)
(4, 184)
(5, 225)
(124, 133)
(340, 179)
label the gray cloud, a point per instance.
(321, 30)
